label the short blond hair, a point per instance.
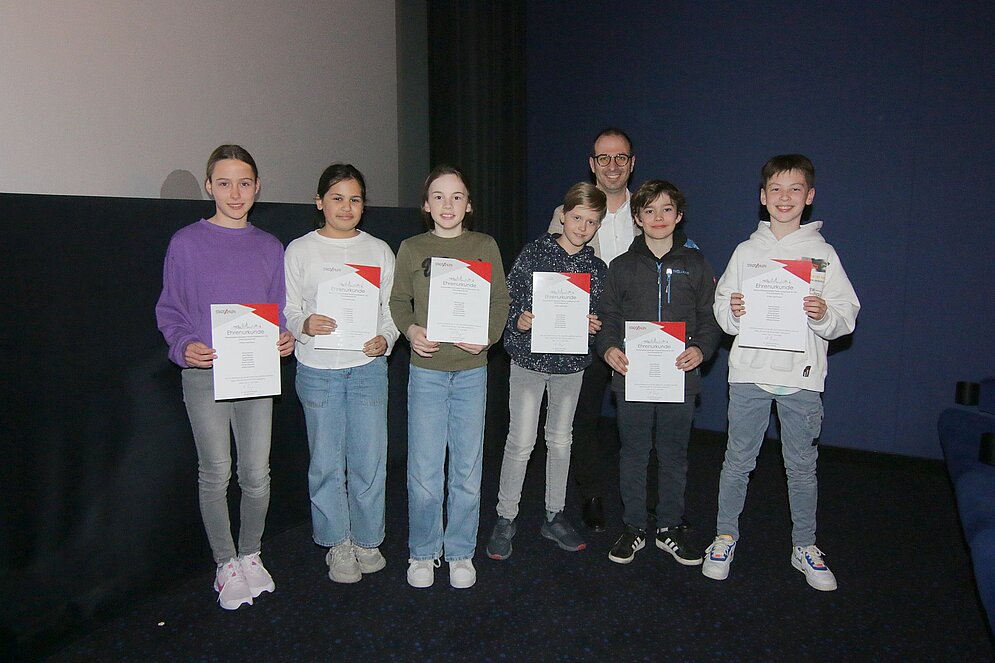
(587, 195)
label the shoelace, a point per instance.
(425, 563)
(232, 570)
(253, 563)
(342, 553)
(815, 554)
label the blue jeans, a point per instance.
(445, 412)
(346, 414)
(251, 420)
(526, 389)
(800, 415)
(641, 427)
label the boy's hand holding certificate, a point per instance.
(652, 349)
(774, 293)
(459, 301)
(245, 338)
(560, 304)
(350, 295)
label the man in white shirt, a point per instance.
(611, 162)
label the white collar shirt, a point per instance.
(616, 232)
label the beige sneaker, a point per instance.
(370, 560)
(342, 563)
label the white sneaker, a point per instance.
(230, 584)
(256, 575)
(421, 572)
(462, 575)
(370, 560)
(718, 557)
(809, 561)
(342, 564)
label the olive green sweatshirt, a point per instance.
(409, 297)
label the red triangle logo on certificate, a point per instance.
(580, 279)
(481, 269)
(800, 268)
(268, 312)
(675, 329)
(371, 274)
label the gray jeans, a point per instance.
(212, 422)
(800, 416)
(526, 390)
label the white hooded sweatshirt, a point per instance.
(797, 370)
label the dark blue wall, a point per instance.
(894, 104)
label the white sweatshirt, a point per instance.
(802, 370)
(302, 264)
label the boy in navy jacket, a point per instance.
(559, 375)
(657, 279)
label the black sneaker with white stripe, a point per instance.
(674, 540)
(631, 540)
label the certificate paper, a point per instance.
(245, 337)
(652, 349)
(560, 303)
(773, 293)
(459, 301)
(350, 295)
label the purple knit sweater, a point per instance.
(207, 264)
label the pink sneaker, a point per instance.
(256, 575)
(230, 584)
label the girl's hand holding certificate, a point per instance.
(285, 344)
(375, 347)
(319, 325)
(198, 355)
(420, 343)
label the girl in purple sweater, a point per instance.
(224, 260)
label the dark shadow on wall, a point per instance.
(181, 185)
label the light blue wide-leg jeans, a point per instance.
(346, 414)
(445, 413)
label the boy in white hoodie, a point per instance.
(794, 380)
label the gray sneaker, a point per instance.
(499, 546)
(370, 560)
(560, 531)
(342, 563)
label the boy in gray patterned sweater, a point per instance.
(559, 375)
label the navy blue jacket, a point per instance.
(680, 287)
(546, 255)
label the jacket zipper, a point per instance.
(659, 290)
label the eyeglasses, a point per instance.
(605, 159)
